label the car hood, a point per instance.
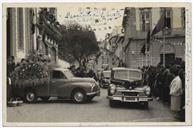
(79, 79)
(128, 84)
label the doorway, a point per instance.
(169, 58)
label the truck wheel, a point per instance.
(112, 103)
(30, 96)
(79, 96)
(145, 105)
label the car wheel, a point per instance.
(30, 96)
(112, 103)
(45, 98)
(145, 105)
(79, 96)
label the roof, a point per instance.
(123, 68)
(60, 69)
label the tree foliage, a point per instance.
(78, 43)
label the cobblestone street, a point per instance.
(96, 111)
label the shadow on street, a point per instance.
(130, 106)
(63, 101)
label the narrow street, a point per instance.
(72, 50)
(96, 111)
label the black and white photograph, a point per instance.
(97, 64)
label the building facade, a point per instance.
(21, 37)
(106, 60)
(112, 48)
(31, 29)
(48, 33)
(168, 44)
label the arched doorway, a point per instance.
(169, 51)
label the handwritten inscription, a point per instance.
(95, 16)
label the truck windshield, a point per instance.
(68, 74)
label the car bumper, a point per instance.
(97, 93)
(130, 98)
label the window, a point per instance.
(68, 74)
(183, 15)
(57, 75)
(145, 19)
(168, 20)
(168, 15)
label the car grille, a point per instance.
(130, 93)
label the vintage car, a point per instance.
(127, 86)
(61, 84)
(105, 79)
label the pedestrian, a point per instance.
(166, 86)
(92, 74)
(9, 89)
(151, 75)
(10, 65)
(159, 84)
(182, 112)
(176, 92)
(10, 70)
(73, 69)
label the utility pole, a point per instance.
(147, 52)
(164, 39)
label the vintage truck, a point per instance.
(61, 84)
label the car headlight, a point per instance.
(147, 91)
(112, 89)
(92, 86)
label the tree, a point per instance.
(78, 43)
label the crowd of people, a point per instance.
(83, 72)
(168, 85)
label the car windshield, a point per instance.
(107, 74)
(68, 74)
(127, 75)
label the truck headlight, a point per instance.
(147, 91)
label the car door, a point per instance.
(57, 83)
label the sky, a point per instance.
(102, 18)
